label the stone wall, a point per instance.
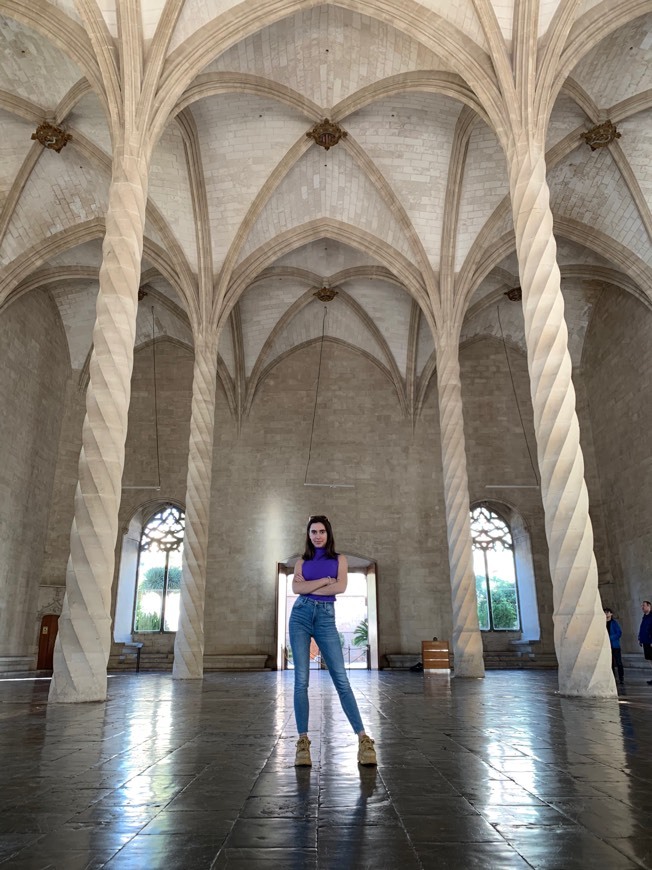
(145, 460)
(35, 366)
(157, 457)
(174, 364)
(57, 544)
(393, 513)
(616, 365)
(502, 452)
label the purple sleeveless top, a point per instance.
(317, 568)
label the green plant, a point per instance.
(147, 621)
(504, 607)
(154, 578)
(361, 633)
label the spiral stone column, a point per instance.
(581, 641)
(189, 643)
(84, 640)
(467, 641)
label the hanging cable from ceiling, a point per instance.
(156, 486)
(520, 417)
(314, 415)
(156, 431)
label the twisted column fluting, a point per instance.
(189, 643)
(581, 641)
(467, 641)
(84, 640)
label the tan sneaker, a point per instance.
(302, 758)
(366, 751)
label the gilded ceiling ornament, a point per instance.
(601, 135)
(51, 137)
(326, 134)
(515, 294)
(325, 294)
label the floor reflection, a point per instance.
(493, 773)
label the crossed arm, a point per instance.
(326, 586)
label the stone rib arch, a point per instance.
(183, 270)
(300, 304)
(26, 110)
(618, 285)
(453, 201)
(631, 106)
(21, 274)
(600, 243)
(587, 32)
(259, 365)
(84, 373)
(429, 370)
(29, 261)
(468, 273)
(337, 341)
(631, 183)
(70, 100)
(273, 183)
(580, 272)
(447, 84)
(111, 70)
(222, 371)
(607, 276)
(391, 200)
(20, 182)
(57, 27)
(632, 266)
(21, 107)
(101, 161)
(217, 83)
(581, 98)
(322, 228)
(274, 180)
(199, 200)
(435, 32)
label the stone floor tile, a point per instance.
(494, 773)
(267, 859)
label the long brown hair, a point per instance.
(309, 552)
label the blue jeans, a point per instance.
(310, 618)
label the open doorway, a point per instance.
(356, 615)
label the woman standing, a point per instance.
(318, 577)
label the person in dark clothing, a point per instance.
(615, 631)
(645, 633)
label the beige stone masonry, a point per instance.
(580, 639)
(84, 640)
(467, 642)
(189, 643)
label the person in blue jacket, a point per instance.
(645, 633)
(615, 631)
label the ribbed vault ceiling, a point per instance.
(247, 216)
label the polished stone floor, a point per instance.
(494, 773)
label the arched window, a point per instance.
(495, 572)
(159, 571)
